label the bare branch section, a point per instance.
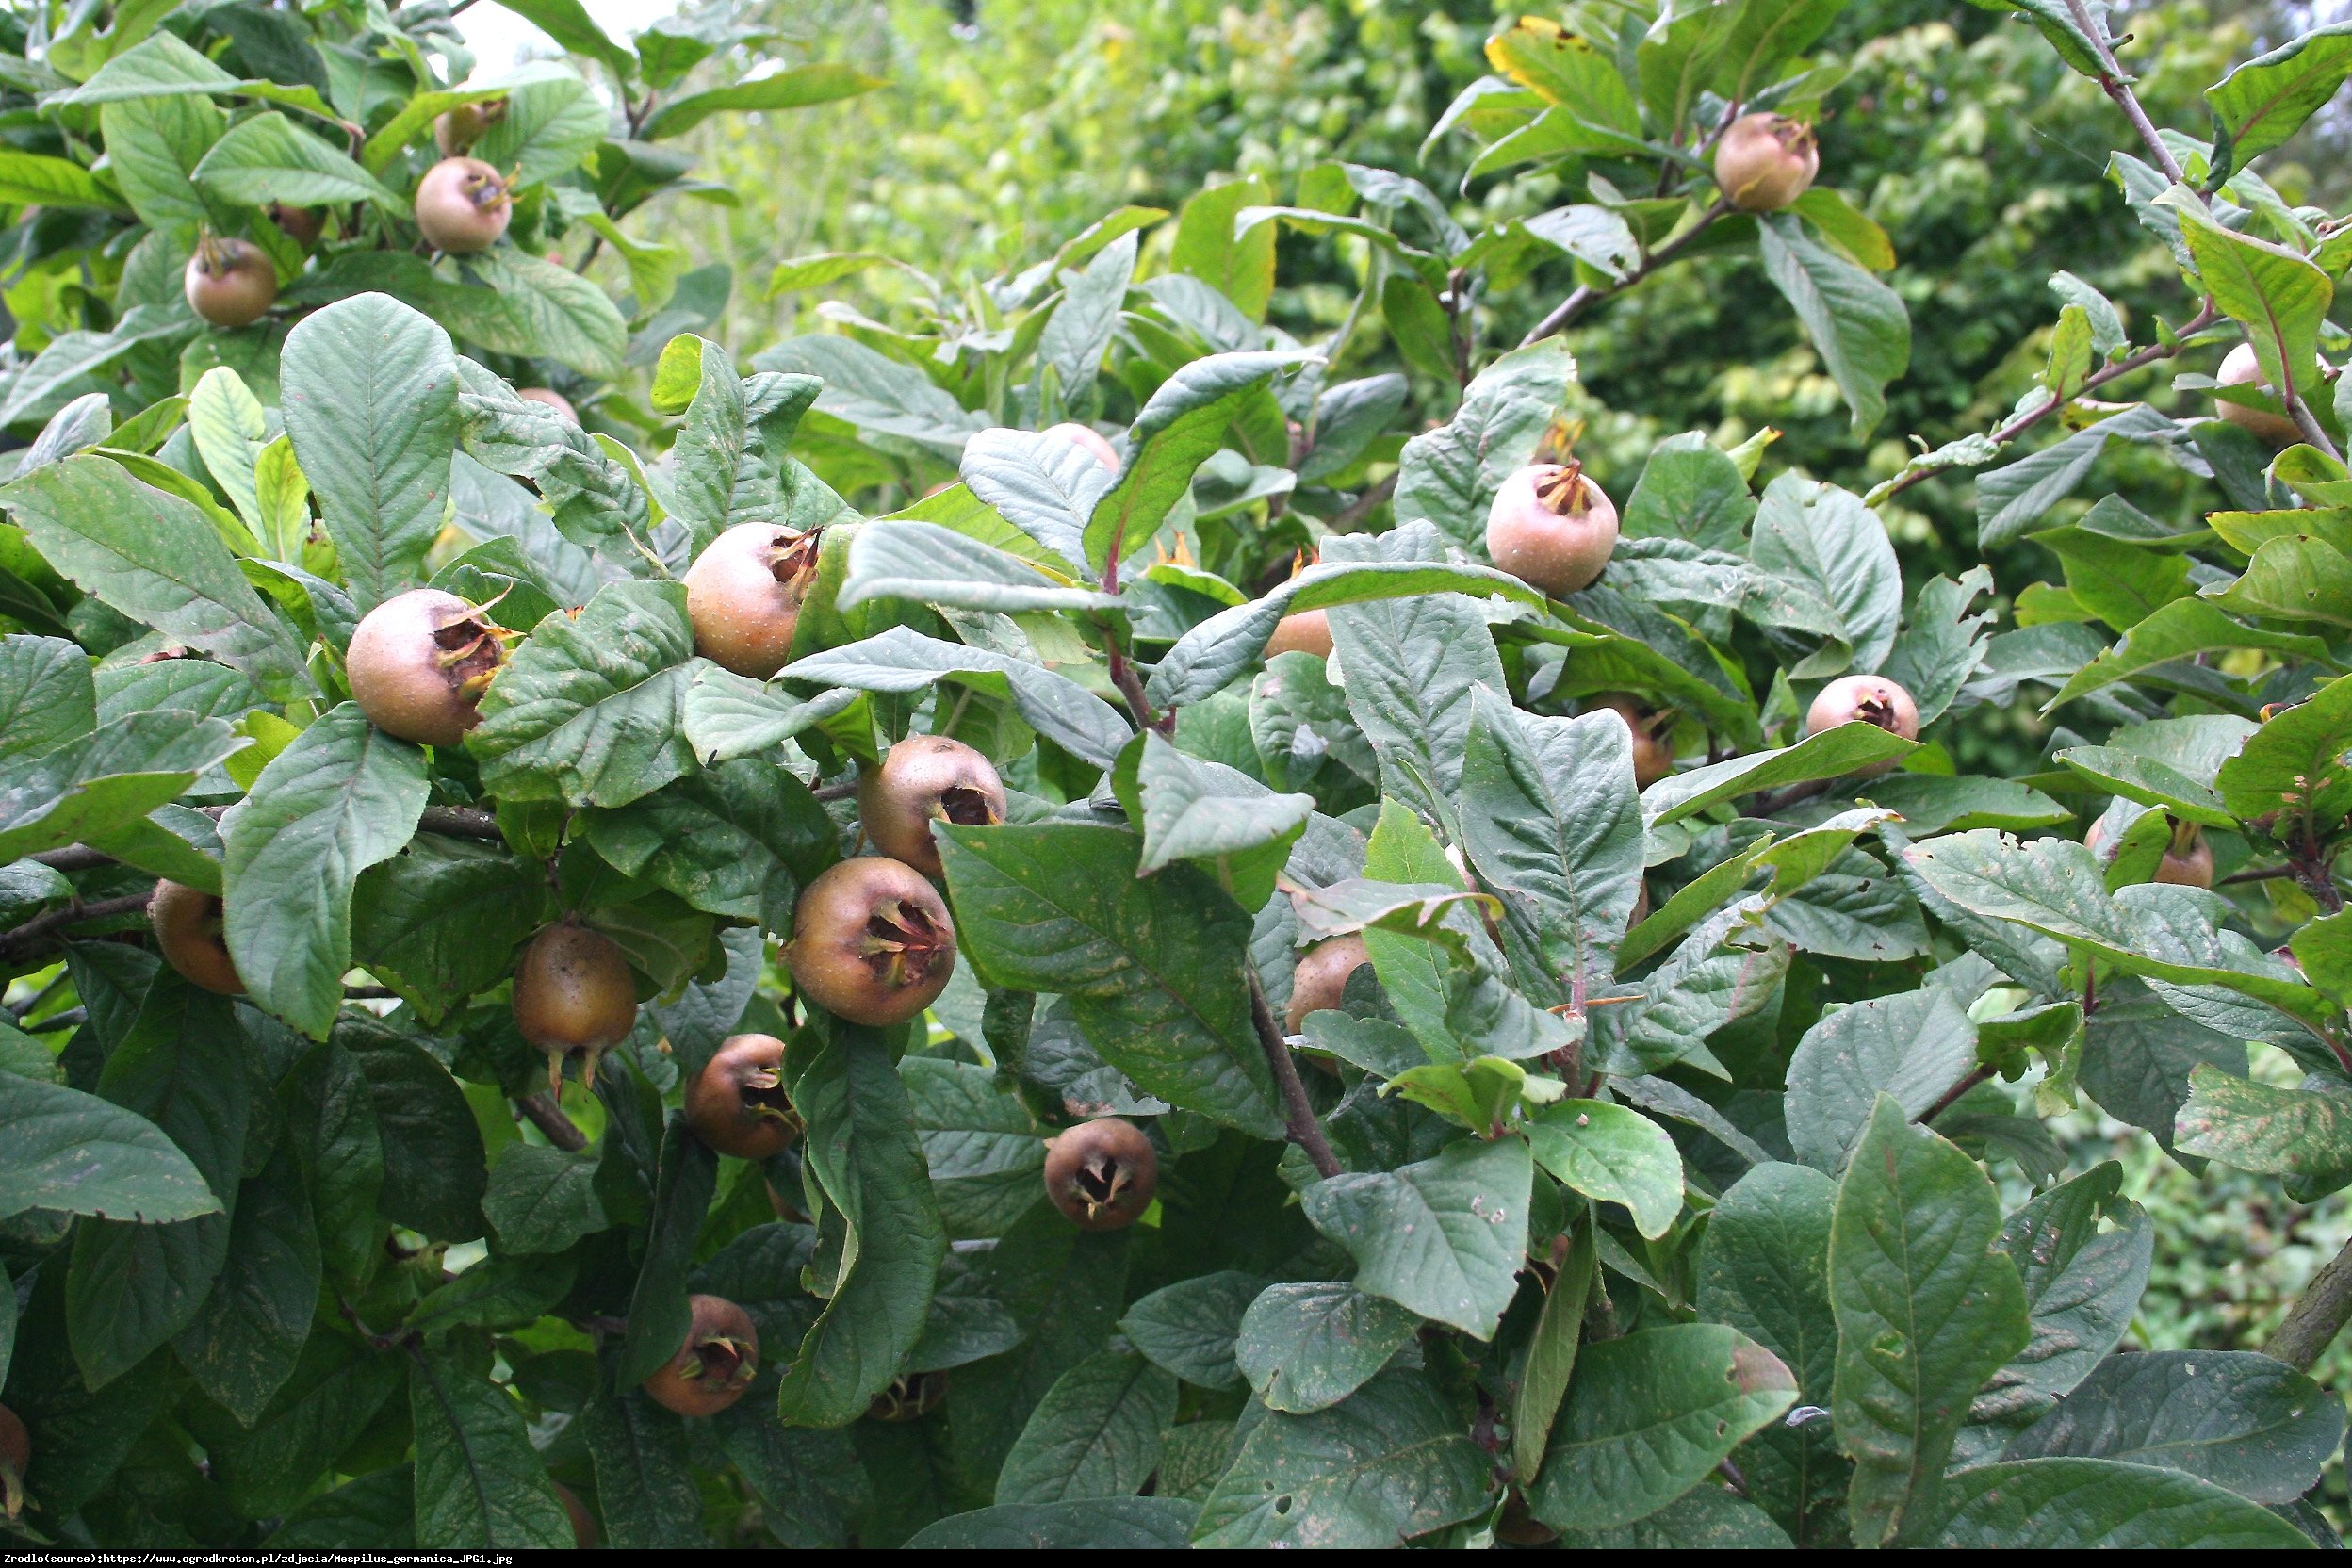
(1297, 1114)
(2318, 1314)
(1574, 305)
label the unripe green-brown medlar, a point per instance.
(715, 1365)
(462, 207)
(1871, 698)
(583, 1521)
(1551, 527)
(463, 126)
(1101, 1173)
(303, 225)
(1653, 751)
(547, 399)
(743, 594)
(923, 780)
(1321, 979)
(418, 664)
(736, 1105)
(1766, 161)
(188, 927)
(573, 994)
(1091, 439)
(909, 1398)
(872, 941)
(230, 283)
(2187, 860)
(1308, 631)
(2240, 367)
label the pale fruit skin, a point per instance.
(418, 664)
(1551, 527)
(462, 127)
(1653, 757)
(1308, 631)
(462, 207)
(583, 1522)
(704, 1378)
(1871, 698)
(736, 1105)
(230, 283)
(1766, 161)
(1101, 1173)
(1090, 438)
(2239, 368)
(302, 225)
(922, 779)
(872, 941)
(573, 992)
(187, 928)
(555, 400)
(743, 595)
(1321, 979)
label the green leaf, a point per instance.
(336, 1388)
(1649, 1416)
(810, 1484)
(796, 86)
(1856, 323)
(31, 179)
(1192, 809)
(2082, 1283)
(863, 1156)
(156, 558)
(1188, 1327)
(1915, 1047)
(74, 1153)
(1044, 485)
(2292, 579)
(543, 1200)
(548, 310)
(2265, 101)
(876, 393)
(552, 122)
(1450, 475)
(2259, 1127)
(269, 159)
(2277, 296)
(2182, 629)
(1107, 1524)
(1927, 1309)
(1390, 1463)
(1184, 421)
(2092, 1504)
(1079, 333)
(432, 1156)
(494, 1292)
(1095, 1434)
(1704, 1518)
(342, 797)
(440, 920)
(1238, 266)
(660, 1315)
(1443, 1238)
(905, 661)
(1826, 541)
(1691, 489)
(1763, 1268)
(244, 1341)
(925, 564)
(374, 1512)
(103, 787)
(1834, 753)
(1304, 1348)
(2290, 770)
(590, 711)
(1551, 1358)
(1611, 1154)
(480, 1484)
(647, 1497)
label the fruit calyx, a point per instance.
(419, 663)
(902, 942)
(1563, 493)
(909, 1398)
(1102, 1174)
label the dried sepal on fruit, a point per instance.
(1101, 1173)
(574, 996)
(419, 663)
(1551, 527)
(715, 1365)
(923, 780)
(909, 1398)
(743, 594)
(872, 941)
(736, 1105)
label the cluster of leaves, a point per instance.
(1639, 1190)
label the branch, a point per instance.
(29, 935)
(74, 857)
(458, 822)
(548, 1117)
(841, 790)
(1298, 1115)
(1351, 516)
(2115, 81)
(1574, 305)
(1958, 1092)
(2318, 1314)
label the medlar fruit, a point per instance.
(229, 283)
(418, 664)
(2239, 368)
(583, 1521)
(573, 992)
(1101, 1173)
(1653, 751)
(716, 1364)
(1308, 631)
(923, 780)
(1872, 699)
(188, 928)
(1766, 161)
(462, 207)
(744, 594)
(872, 941)
(555, 400)
(910, 1398)
(1321, 979)
(1551, 527)
(737, 1103)
(2187, 860)
(302, 225)
(1090, 438)
(462, 127)
(16, 1453)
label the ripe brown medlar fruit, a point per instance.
(1766, 161)
(1321, 979)
(583, 1522)
(188, 928)
(2187, 860)
(716, 1364)
(872, 941)
(1872, 699)
(737, 1103)
(462, 127)
(1101, 1173)
(573, 992)
(1519, 1526)
(910, 1398)
(2239, 368)
(1640, 906)
(418, 664)
(1551, 527)
(229, 283)
(743, 594)
(1652, 749)
(303, 225)
(1090, 438)
(923, 780)
(547, 399)
(1308, 631)
(16, 1454)
(462, 207)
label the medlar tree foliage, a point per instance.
(1629, 1180)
